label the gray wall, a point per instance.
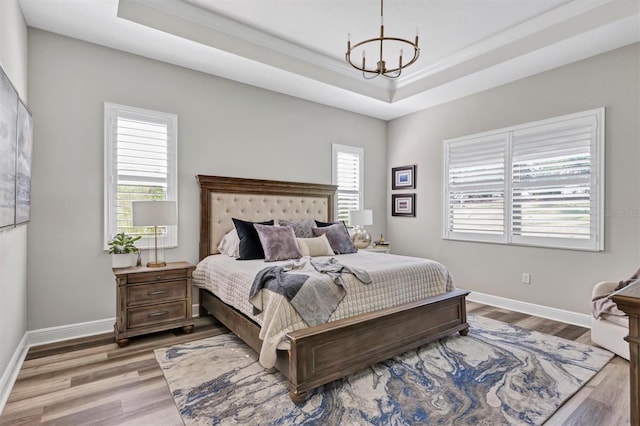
(224, 128)
(13, 241)
(559, 278)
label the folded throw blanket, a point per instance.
(603, 305)
(314, 289)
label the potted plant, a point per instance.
(123, 250)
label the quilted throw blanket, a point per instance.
(313, 288)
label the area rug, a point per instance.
(497, 374)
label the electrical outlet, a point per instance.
(526, 278)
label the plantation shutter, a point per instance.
(348, 176)
(539, 184)
(552, 181)
(475, 188)
(143, 166)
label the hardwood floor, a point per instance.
(92, 381)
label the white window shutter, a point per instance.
(475, 188)
(347, 174)
(552, 182)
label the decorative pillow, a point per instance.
(250, 247)
(318, 246)
(301, 229)
(230, 244)
(338, 238)
(320, 224)
(278, 242)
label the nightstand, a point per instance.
(385, 250)
(152, 299)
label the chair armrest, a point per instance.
(603, 288)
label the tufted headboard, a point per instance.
(222, 198)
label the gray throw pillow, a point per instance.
(338, 238)
(278, 242)
(302, 229)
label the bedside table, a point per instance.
(385, 250)
(152, 299)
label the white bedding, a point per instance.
(395, 280)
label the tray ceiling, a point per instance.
(297, 47)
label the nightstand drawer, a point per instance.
(145, 277)
(154, 293)
(156, 314)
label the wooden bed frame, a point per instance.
(330, 351)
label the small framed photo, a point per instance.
(403, 177)
(403, 205)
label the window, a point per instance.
(140, 164)
(348, 166)
(539, 184)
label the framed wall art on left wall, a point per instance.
(24, 152)
(16, 146)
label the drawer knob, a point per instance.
(157, 292)
(159, 277)
(158, 314)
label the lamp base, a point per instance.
(156, 264)
(360, 237)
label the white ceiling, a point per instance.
(297, 47)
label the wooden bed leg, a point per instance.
(464, 331)
(298, 398)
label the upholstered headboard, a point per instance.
(222, 198)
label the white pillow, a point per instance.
(230, 244)
(318, 246)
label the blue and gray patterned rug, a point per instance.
(498, 374)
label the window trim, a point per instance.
(335, 150)
(597, 185)
(111, 112)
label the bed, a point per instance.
(323, 353)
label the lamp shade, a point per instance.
(361, 217)
(154, 213)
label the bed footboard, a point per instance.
(330, 351)
(327, 352)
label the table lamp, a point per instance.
(154, 213)
(359, 219)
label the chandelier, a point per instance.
(379, 43)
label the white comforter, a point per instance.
(395, 280)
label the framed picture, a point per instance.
(8, 124)
(403, 205)
(403, 177)
(23, 164)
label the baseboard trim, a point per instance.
(13, 368)
(45, 336)
(48, 335)
(556, 314)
